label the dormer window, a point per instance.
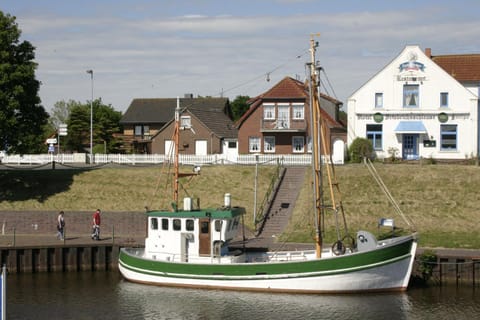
(268, 112)
(185, 121)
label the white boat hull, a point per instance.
(391, 275)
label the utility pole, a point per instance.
(91, 117)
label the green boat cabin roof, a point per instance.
(220, 213)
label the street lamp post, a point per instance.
(91, 117)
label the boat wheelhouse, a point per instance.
(192, 234)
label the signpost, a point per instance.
(62, 131)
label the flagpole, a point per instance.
(3, 310)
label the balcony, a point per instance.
(142, 138)
(283, 125)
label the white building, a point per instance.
(414, 109)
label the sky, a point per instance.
(165, 49)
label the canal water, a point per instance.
(105, 295)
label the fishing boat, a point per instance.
(192, 246)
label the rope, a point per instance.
(385, 190)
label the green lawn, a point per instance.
(442, 200)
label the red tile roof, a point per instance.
(463, 67)
(288, 89)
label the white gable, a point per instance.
(385, 101)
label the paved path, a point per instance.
(46, 240)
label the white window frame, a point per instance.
(298, 144)
(268, 111)
(269, 144)
(185, 122)
(138, 131)
(254, 144)
(411, 91)
(375, 135)
(283, 121)
(378, 99)
(448, 137)
(298, 111)
(444, 99)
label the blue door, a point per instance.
(410, 147)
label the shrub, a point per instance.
(359, 149)
(428, 261)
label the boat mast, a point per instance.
(316, 152)
(321, 145)
(176, 135)
(177, 174)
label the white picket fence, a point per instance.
(137, 159)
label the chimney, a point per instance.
(428, 52)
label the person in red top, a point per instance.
(96, 225)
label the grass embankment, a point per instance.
(442, 200)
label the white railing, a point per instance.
(137, 159)
(35, 159)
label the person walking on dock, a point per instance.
(60, 225)
(96, 225)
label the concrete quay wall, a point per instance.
(60, 258)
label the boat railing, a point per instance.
(289, 256)
(177, 257)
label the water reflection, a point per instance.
(173, 303)
(447, 302)
(105, 295)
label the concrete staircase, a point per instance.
(281, 208)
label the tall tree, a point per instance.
(239, 106)
(105, 125)
(22, 117)
(61, 112)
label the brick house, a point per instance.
(145, 118)
(278, 121)
(205, 129)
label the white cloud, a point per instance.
(166, 56)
